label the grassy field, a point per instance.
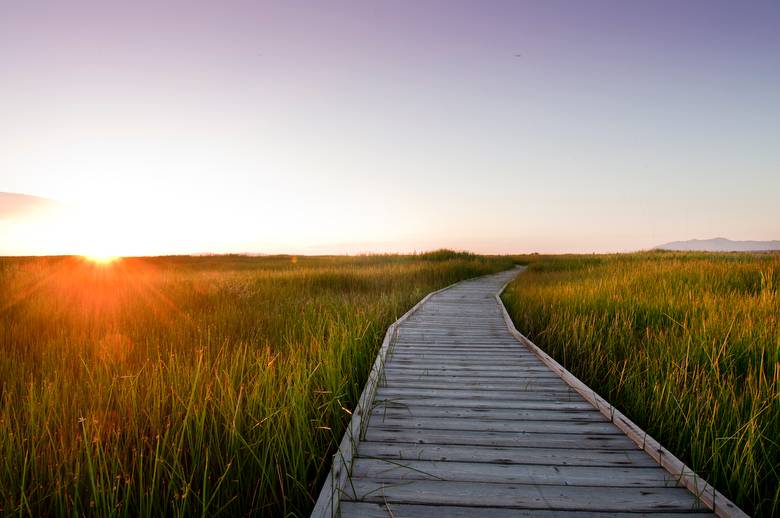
(186, 385)
(687, 345)
(208, 385)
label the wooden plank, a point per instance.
(394, 510)
(462, 384)
(407, 370)
(592, 476)
(492, 425)
(464, 412)
(507, 368)
(494, 327)
(482, 438)
(423, 362)
(452, 353)
(466, 368)
(455, 329)
(480, 388)
(506, 455)
(444, 337)
(473, 338)
(513, 403)
(461, 345)
(518, 394)
(493, 323)
(512, 380)
(506, 342)
(450, 348)
(488, 369)
(443, 374)
(473, 360)
(526, 496)
(455, 343)
(483, 335)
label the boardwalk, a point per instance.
(466, 420)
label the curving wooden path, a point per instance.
(464, 417)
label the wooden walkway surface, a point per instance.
(463, 419)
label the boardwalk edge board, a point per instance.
(709, 496)
(341, 466)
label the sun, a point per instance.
(101, 259)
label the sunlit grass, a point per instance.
(190, 385)
(687, 345)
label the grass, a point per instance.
(191, 385)
(687, 345)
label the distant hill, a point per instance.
(720, 244)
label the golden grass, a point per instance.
(686, 345)
(184, 385)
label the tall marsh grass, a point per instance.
(686, 345)
(190, 385)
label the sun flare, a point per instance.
(101, 259)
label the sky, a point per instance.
(143, 128)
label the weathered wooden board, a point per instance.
(458, 348)
(516, 394)
(486, 438)
(538, 372)
(517, 385)
(466, 367)
(450, 355)
(394, 510)
(513, 363)
(436, 374)
(525, 496)
(506, 455)
(592, 476)
(467, 412)
(454, 346)
(487, 402)
(476, 423)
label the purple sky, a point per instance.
(370, 126)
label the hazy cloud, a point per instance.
(14, 205)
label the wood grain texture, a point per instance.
(505, 455)
(523, 496)
(591, 476)
(393, 510)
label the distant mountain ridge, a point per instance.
(719, 244)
